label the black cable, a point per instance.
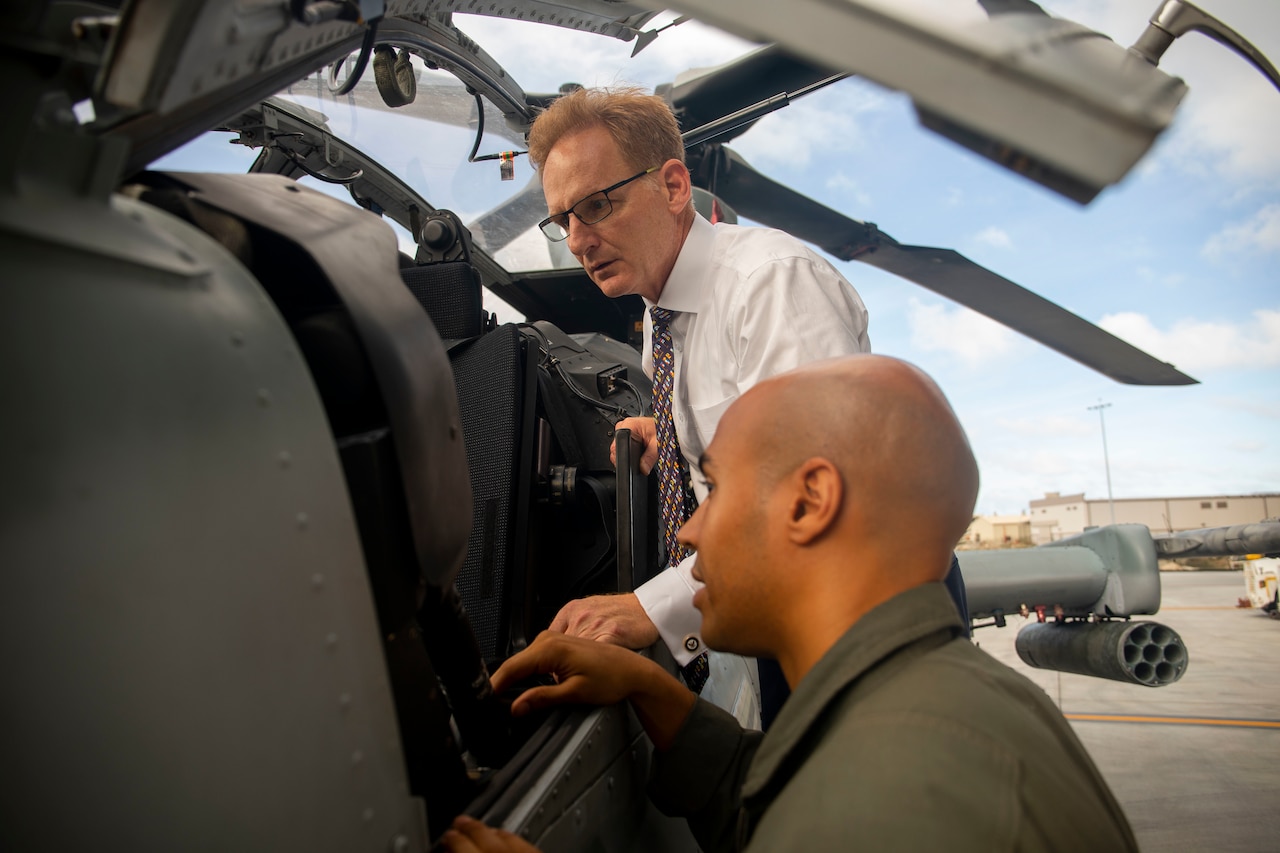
(472, 158)
(350, 179)
(636, 392)
(586, 398)
(366, 50)
(550, 361)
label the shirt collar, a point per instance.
(895, 624)
(684, 286)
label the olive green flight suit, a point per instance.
(902, 737)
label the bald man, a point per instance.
(836, 493)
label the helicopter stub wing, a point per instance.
(944, 271)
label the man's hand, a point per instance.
(644, 434)
(468, 835)
(588, 673)
(616, 619)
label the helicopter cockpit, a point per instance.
(286, 470)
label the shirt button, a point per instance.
(691, 643)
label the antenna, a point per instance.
(1105, 459)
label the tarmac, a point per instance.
(1195, 764)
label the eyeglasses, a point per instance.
(589, 210)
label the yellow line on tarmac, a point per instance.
(1176, 721)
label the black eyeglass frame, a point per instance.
(562, 231)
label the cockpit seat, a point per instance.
(450, 293)
(443, 278)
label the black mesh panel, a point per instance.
(490, 397)
(450, 293)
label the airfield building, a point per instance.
(997, 531)
(1056, 516)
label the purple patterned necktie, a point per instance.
(671, 493)
(673, 499)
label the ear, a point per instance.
(816, 498)
(676, 184)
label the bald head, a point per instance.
(830, 490)
(909, 476)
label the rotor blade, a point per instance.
(702, 95)
(724, 173)
(950, 274)
(496, 228)
(944, 271)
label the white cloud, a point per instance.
(1151, 276)
(1202, 344)
(848, 187)
(1012, 477)
(1265, 408)
(1245, 446)
(1260, 233)
(1226, 125)
(829, 121)
(1050, 466)
(973, 338)
(996, 237)
(1046, 426)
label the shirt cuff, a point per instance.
(667, 600)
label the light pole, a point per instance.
(1105, 460)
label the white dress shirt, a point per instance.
(752, 303)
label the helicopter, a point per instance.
(279, 489)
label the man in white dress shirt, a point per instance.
(747, 303)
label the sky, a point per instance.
(1181, 259)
